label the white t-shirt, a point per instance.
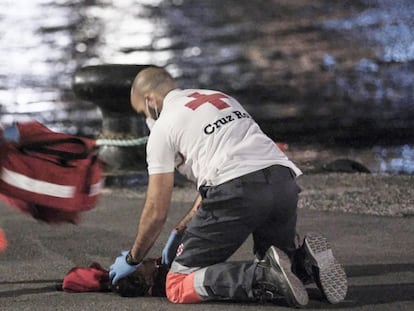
(208, 137)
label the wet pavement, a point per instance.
(375, 250)
(321, 76)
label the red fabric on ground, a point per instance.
(92, 279)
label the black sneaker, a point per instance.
(274, 279)
(321, 264)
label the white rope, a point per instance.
(122, 142)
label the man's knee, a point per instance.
(180, 288)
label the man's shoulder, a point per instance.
(179, 93)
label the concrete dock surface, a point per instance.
(367, 218)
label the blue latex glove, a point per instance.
(120, 268)
(170, 249)
(11, 133)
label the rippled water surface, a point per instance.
(299, 67)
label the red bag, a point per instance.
(50, 169)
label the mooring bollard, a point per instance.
(123, 137)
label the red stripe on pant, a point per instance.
(180, 288)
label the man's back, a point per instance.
(208, 135)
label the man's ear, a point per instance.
(150, 97)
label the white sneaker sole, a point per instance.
(328, 274)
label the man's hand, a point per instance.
(170, 248)
(120, 268)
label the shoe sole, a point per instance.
(328, 274)
(293, 289)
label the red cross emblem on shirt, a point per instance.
(201, 99)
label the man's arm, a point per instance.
(183, 223)
(154, 214)
(170, 249)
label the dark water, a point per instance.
(336, 72)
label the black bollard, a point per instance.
(123, 136)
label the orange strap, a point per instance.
(3, 241)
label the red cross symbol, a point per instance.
(180, 250)
(214, 99)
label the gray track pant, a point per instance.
(264, 204)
